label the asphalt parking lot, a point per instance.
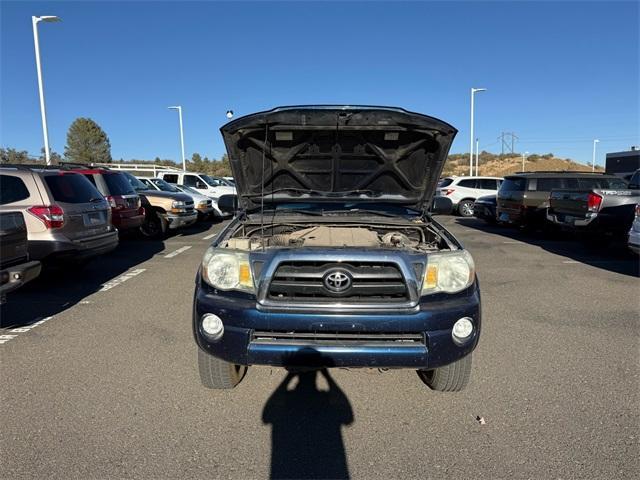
(99, 378)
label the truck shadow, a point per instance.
(60, 287)
(306, 437)
(613, 256)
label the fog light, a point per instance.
(462, 330)
(212, 326)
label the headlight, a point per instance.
(448, 272)
(202, 204)
(227, 270)
(178, 204)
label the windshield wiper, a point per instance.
(96, 200)
(299, 191)
(363, 210)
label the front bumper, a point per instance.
(433, 321)
(181, 220)
(14, 277)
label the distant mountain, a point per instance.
(499, 165)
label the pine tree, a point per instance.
(87, 143)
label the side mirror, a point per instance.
(228, 203)
(200, 184)
(441, 206)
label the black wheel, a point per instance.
(465, 208)
(152, 227)
(450, 378)
(218, 374)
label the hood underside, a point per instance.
(337, 154)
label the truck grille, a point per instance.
(338, 339)
(332, 282)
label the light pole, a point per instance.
(184, 160)
(473, 92)
(593, 157)
(524, 157)
(477, 163)
(43, 113)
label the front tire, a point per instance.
(217, 374)
(465, 208)
(450, 378)
(153, 227)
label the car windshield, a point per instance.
(184, 188)
(164, 186)
(214, 182)
(118, 184)
(137, 185)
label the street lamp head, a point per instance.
(229, 114)
(474, 90)
(596, 141)
(175, 107)
(47, 18)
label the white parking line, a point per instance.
(177, 252)
(209, 236)
(15, 331)
(121, 279)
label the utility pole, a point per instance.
(477, 153)
(473, 93)
(43, 112)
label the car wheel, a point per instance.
(218, 374)
(450, 378)
(465, 208)
(152, 227)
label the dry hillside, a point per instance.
(500, 165)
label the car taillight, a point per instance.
(593, 202)
(638, 210)
(448, 191)
(116, 202)
(52, 216)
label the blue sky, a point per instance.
(557, 74)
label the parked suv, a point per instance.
(164, 211)
(66, 216)
(523, 198)
(127, 212)
(333, 262)
(15, 267)
(463, 191)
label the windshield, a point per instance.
(445, 182)
(137, 185)
(184, 188)
(118, 184)
(214, 182)
(164, 186)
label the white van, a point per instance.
(205, 184)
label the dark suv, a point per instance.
(334, 259)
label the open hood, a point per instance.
(337, 154)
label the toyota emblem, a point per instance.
(337, 280)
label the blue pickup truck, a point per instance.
(334, 259)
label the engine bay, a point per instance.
(418, 237)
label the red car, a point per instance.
(126, 210)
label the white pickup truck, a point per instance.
(212, 187)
